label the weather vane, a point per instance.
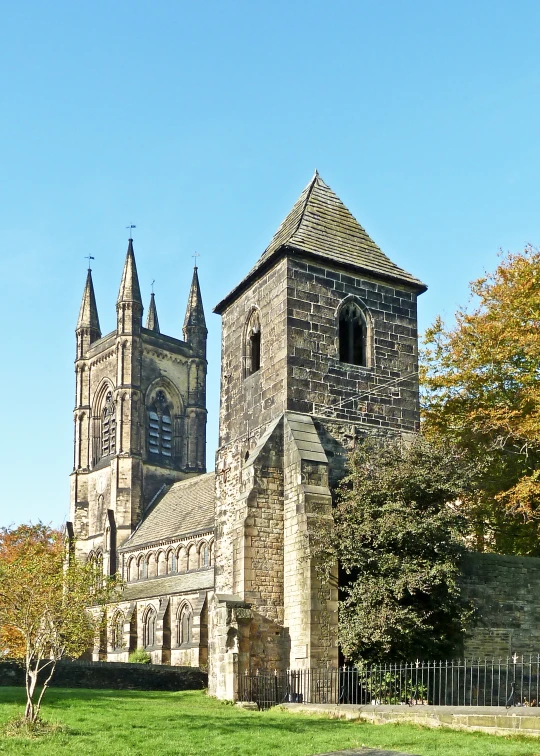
(195, 256)
(89, 257)
(153, 282)
(129, 229)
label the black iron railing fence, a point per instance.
(514, 681)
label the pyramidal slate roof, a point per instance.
(185, 507)
(320, 225)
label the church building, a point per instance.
(319, 346)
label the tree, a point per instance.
(481, 390)
(44, 600)
(398, 540)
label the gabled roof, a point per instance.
(320, 225)
(185, 507)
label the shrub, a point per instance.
(139, 656)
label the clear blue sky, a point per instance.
(201, 122)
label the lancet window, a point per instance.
(149, 627)
(184, 628)
(108, 427)
(205, 555)
(352, 334)
(160, 427)
(171, 562)
(253, 344)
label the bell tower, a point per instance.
(319, 346)
(140, 415)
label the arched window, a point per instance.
(352, 334)
(160, 427)
(131, 571)
(149, 627)
(192, 559)
(205, 555)
(108, 427)
(117, 631)
(253, 344)
(171, 562)
(162, 563)
(184, 625)
(211, 553)
(143, 568)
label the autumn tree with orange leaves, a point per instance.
(44, 600)
(481, 390)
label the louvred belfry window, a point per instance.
(160, 427)
(352, 335)
(108, 427)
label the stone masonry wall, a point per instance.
(248, 402)
(317, 382)
(506, 592)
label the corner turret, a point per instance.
(152, 322)
(195, 331)
(88, 329)
(129, 305)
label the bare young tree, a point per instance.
(51, 605)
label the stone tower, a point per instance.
(319, 346)
(140, 415)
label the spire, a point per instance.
(129, 286)
(194, 323)
(152, 322)
(194, 310)
(88, 314)
(129, 307)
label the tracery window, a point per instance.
(149, 627)
(118, 631)
(253, 344)
(160, 427)
(95, 562)
(108, 427)
(352, 334)
(184, 625)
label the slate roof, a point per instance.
(185, 507)
(319, 224)
(161, 586)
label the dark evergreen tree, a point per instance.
(398, 537)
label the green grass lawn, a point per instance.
(135, 723)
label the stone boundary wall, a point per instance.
(493, 719)
(115, 676)
(506, 592)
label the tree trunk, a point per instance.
(31, 680)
